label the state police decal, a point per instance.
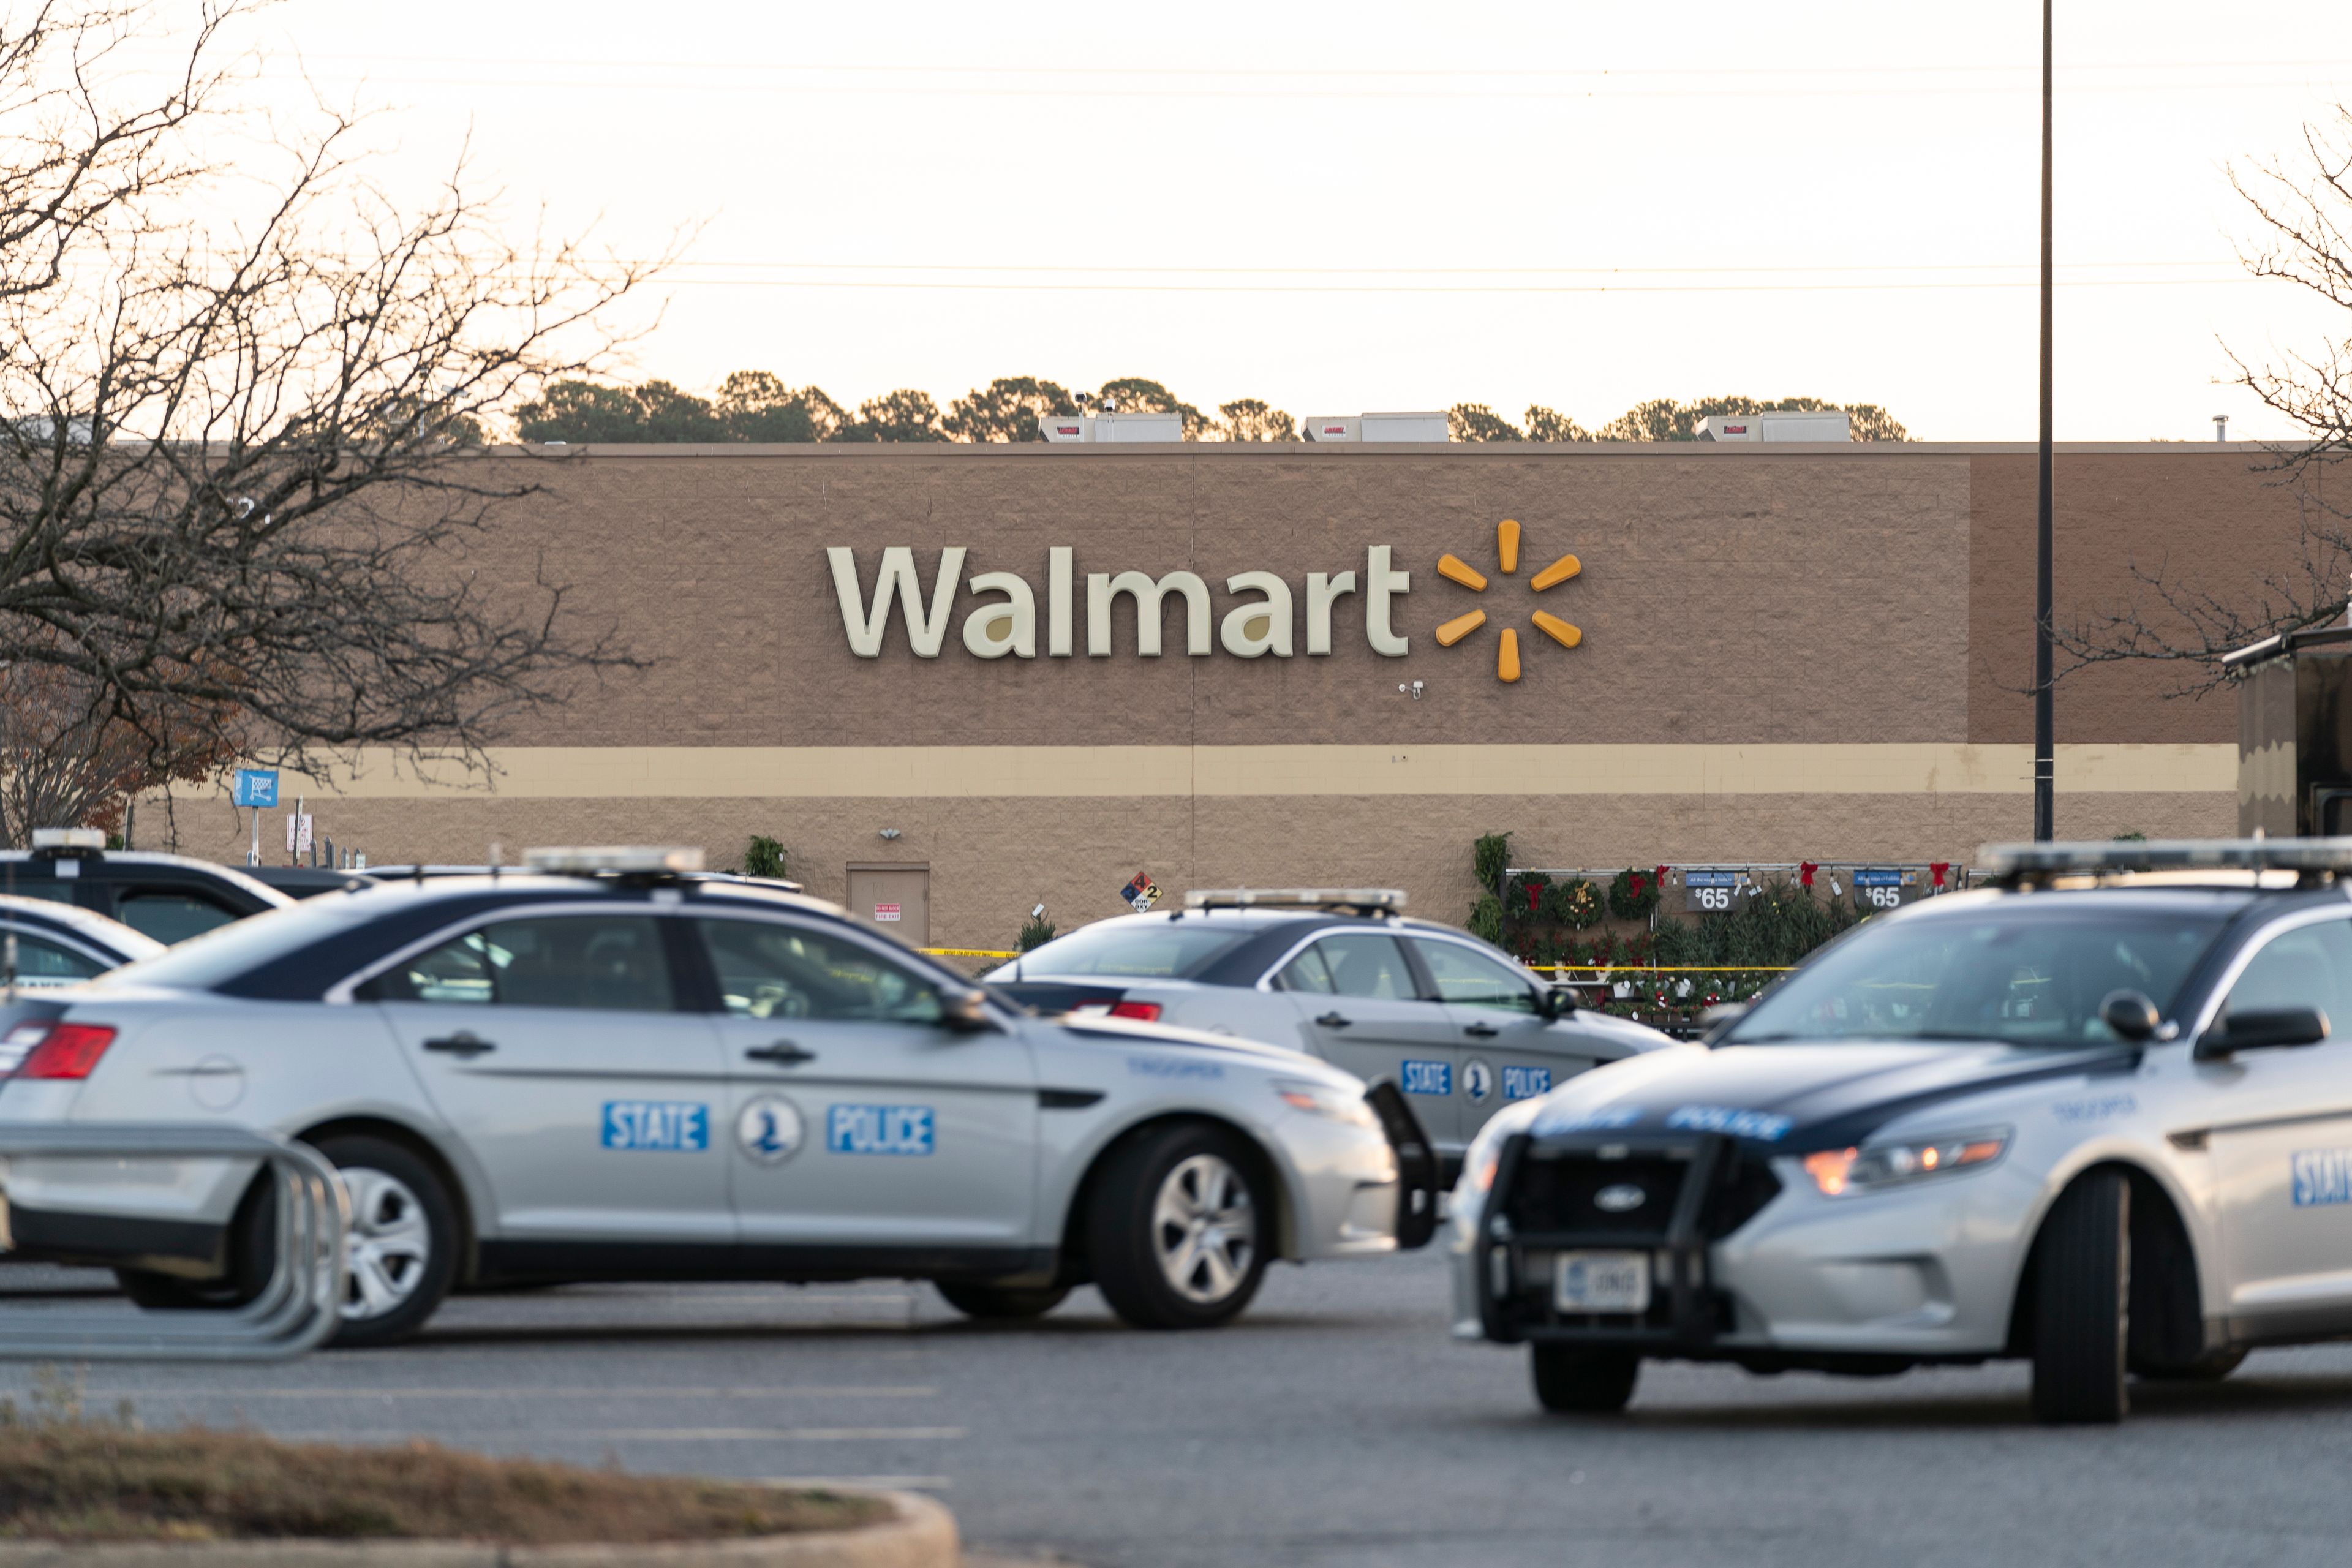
(2321, 1176)
(1526, 1083)
(768, 1130)
(878, 1129)
(1428, 1077)
(661, 1126)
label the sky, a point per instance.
(1392, 206)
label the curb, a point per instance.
(920, 1534)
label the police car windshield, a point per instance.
(222, 955)
(2024, 977)
(1143, 948)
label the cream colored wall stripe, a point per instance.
(549, 772)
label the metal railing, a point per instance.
(296, 1311)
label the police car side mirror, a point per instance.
(1556, 1002)
(2268, 1028)
(2130, 1015)
(965, 1013)
(1715, 1021)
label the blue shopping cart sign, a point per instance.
(257, 786)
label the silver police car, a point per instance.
(2100, 1118)
(622, 1070)
(1454, 1022)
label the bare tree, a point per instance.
(2191, 621)
(66, 760)
(240, 470)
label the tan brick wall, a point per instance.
(990, 859)
(1729, 598)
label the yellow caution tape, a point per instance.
(966, 953)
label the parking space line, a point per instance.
(785, 1434)
(659, 1434)
(810, 1390)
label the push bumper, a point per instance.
(1533, 1216)
(1751, 1264)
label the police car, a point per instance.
(49, 943)
(2098, 1117)
(1454, 1022)
(167, 897)
(613, 1069)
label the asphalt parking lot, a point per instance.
(1335, 1424)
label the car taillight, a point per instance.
(1142, 1012)
(66, 1050)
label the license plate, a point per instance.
(1602, 1282)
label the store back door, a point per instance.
(895, 899)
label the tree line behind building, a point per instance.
(756, 406)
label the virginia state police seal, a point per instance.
(1477, 1079)
(768, 1130)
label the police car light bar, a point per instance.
(1363, 900)
(2012, 862)
(623, 857)
(68, 838)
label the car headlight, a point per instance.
(1837, 1172)
(1486, 1151)
(1326, 1100)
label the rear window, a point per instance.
(1149, 947)
(207, 962)
(168, 914)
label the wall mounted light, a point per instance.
(890, 833)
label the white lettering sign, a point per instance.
(1262, 621)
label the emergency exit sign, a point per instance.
(885, 912)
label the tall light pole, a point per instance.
(2045, 759)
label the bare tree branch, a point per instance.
(241, 477)
(2188, 620)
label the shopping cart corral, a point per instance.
(296, 1311)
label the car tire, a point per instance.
(402, 1255)
(170, 1293)
(1000, 1301)
(2211, 1368)
(2082, 1296)
(1572, 1380)
(1178, 1227)
(250, 1253)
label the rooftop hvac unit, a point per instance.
(1135, 427)
(1057, 427)
(1406, 427)
(1332, 427)
(1828, 425)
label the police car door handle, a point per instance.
(1332, 1020)
(1484, 1031)
(464, 1042)
(784, 1052)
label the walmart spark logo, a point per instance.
(1454, 569)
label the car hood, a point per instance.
(1795, 1098)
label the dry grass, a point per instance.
(63, 1477)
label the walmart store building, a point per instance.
(965, 681)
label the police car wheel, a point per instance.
(250, 1246)
(169, 1293)
(977, 1300)
(401, 1256)
(2204, 1369)
(1571, 1379)
(2081, 1308)
(1178, 1229)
